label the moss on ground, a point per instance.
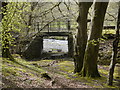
(63, 68)
(40, 63)
(22, 74)
(102, 71)
(106, 71)
(109, 31)
(66, 66)
(20, 65)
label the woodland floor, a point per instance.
(59, 72)
(28, 74)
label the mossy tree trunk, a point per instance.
(115, 50)
(90, 59)
(81, 38)
(0, 11)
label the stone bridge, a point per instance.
(58, 28)
(35, 48)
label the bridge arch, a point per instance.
(35, 48)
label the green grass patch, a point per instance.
(100, 82)
(40, 63)
(26, 64)
(117, 72)
(7, 71)
(108, 31)
(103, 71)
(66, 66)
(20, 65)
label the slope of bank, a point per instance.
(50, 74)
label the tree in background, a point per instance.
(115, 49)
(11, 23)
(20, 19)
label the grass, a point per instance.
(66, 66)
(63, 68)
(20, 65)
(103, 71)
(18, 73)
(108, 31)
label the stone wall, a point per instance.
(70, 46)
(34, 49)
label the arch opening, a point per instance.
(55, 47)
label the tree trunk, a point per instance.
(90, 59)
(81, 39)
(114, 54)
(30, 19)
(0, 11)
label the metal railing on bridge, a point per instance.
(61, 26)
